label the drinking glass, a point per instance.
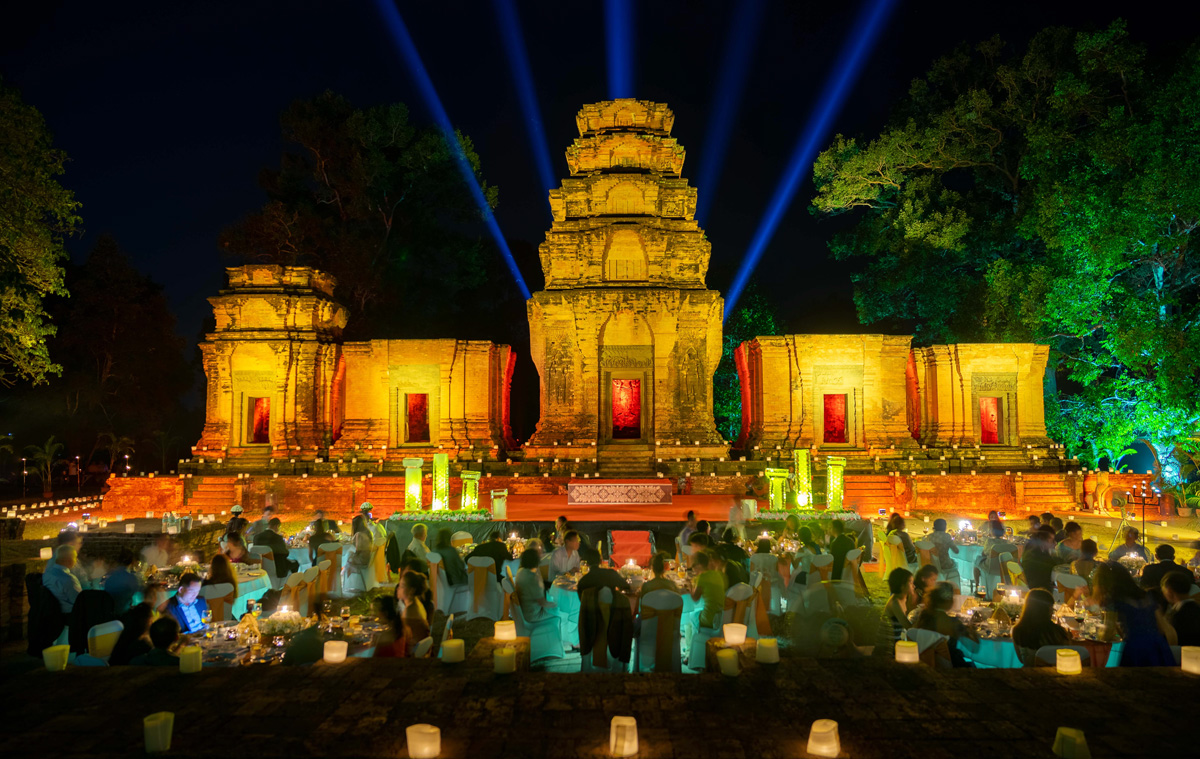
(345, 614)
(252, 606)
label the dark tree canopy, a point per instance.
(378, 202)
(36, 215)
(1046, 194)
(754, 316)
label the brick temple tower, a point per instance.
(626, 335)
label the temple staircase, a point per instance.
(386, 495)
(213, 495)
(1048, 492)
(625, 462)
(867, 494)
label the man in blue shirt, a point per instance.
(59, 579)
(121, 583)
(187, 607)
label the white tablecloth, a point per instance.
(1000, 653)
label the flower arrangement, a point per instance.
(1133, 562)
(459, 515)
(806, 515)
(282, 623)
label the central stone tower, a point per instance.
(626, 335)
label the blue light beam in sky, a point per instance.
(518, 59)
(735, 63)
(412, 59)
(619, 34)
(850, 61)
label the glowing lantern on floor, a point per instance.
(823, 739)
(158, 728)
(412, 484)
(767, 651)
(735, 634)
(622, 736)
(907, 652)
(335, 651)
(424, 741)
(1190, 659)
(1068, 662)
(506, 630)
(441, 481)
(1069, 743)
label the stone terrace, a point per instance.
(361, 708)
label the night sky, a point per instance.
(169, 110)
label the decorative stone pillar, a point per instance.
(835, 482)
(777, 481)
(499, 505)
(804, 489)
(441, 482)
(470, 490)
(412, 483)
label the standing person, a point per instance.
(187, 607)
(260, 524)
(272, 538)
(122, 583)
(363, 546)
(321, 524)
(158, 553)
(560, 530)
(1036, 627)
(943, 546)
(1038, 561)
(565, 558)
(688, 528)
(841, 545)
(1143, 624)
(237, 523)
(375, 529)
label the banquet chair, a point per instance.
(1070, 587)
(737, 610)
(379, 560)
(447, 598)
(793, 598)
(359, 578)
(768, 565)
(544, 568)
(324, 570)
(657, 646)
(852, 571)
(545, 635)
(1178, 652)
(820, 569)
(268, 564)
(1016, 574)
(925, 552)
(295, 591)
(1047, 656)
(1002, 561)
(826, 597)
(893, 556)
(423, 648)
(760, 624)
(102, 637)
(933, 647)
(312, 589)
(447, 634)
(332, 552)
(599, 659)
(220, 600)
(487, 599)
(461, 538)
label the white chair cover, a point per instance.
(295, 594)
(422, 649)
(448, 598)
(220, 600)
(87, 660)
(268, 564)
(603, 596)
(819, 567)
(816, 598)
(102, 638)
(925, 639)
(461, 538)
(446, 634)
(768, 565)
(1048, 656)
(662, 607)
(545, 635)
(738, 594)
(486, 596)
(332, 552)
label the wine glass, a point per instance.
(345, 615)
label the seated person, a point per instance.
(187, 607)
(898, 529)
(1152, 574)
(412, 593)
(60, 580)
(837, 640)
(271, 536)
(135, 638)
(731, 551)
(791, 528)
(603, 577)
(1060, 532)
(565, 558)
(529, 588)
(1130, 546)
(321, 524)
(924, 581)
(1036, 627)
(560, 530)
(709, 590)
(158, 553)
(894, 619)
(1070, 547)
(841, 545)
(1038, 561)
(417, 545)
(156, 596)
(495, 549)
(698, 542)
(1086, 563)
(703, 528)
(220, 572)
(588, 552)
(452, 563)
(733, 571)
(936, 616)
(121, 583)
(658, 565)
(236, 551)
(1183, 614)
(164, 635)
(391, 642)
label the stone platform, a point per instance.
(360, 709)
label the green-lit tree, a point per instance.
(1048, 194)
(36, 215)
(754, 316)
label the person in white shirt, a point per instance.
(1130, 547)
(59, 579)
(259, 525)
(565, 558)
(376, 529)
(157, 553)
(418, 546)
(530, 591)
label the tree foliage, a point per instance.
(378, 202)
(36, 215)
(754, 316)
(1049, 194)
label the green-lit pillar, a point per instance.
(499, 505)
(804, 488)
(412, 484)
(470, 490)
(835, 482)
(777, 480)
(441, 481)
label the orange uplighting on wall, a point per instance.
(627, 409)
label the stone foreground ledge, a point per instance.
(361, 708)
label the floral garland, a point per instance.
(806, 515)
(460, 515)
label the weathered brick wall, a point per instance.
(134, 496)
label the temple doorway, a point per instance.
(260, 421)
(417, 418)
(626, 409)
(989, 421)
(835, 418)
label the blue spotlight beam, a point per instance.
(735, 64)
(514, 47)
(850, 61)
(619, 34)
(412, 59)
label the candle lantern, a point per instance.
(907, 652)
(767, 651)
(735, 634)
(424, 741)
(1068, 662)
(823, 739)
(453, 651)
(1190, 659)
(727, 658)
(191, 659)
(505, 630)
(504, 660)
(335, 651)
(622, 736)
(158, 728)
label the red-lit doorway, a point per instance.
(835, 418)
(418, 418)
(260, 420)
(626, 409)
(989, 421)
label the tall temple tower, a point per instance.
(626, 335)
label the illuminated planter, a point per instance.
(1190, 661)
(505, 630)
(727, 658)
(767, 651)
(424, 741)
(470, 490)
(804, 490)
(335, 651)
(191, 659)
(823, 739)
(454, 651)
(835, 482)
(907, 652)
(1068, 662)
(735, 634)
(622, 736)
(412, 484)
(504, 660)
(441, 481)
(776, 482)
(158, 728)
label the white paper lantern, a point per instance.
(1068, 662)
(622, 736)
(335, 651)
(823, 739)
(735, 634)
(1190, 661)
(907, 652)
(505, 630)
(424, 741)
